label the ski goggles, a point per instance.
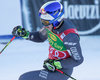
(45, 22)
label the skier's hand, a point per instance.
(52, 65)
(18, 31)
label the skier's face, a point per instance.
(47, 24)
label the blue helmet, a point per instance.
(51, 12)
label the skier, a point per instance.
(64, 46)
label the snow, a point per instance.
(10, 15)
(22, 56)
(90, 69)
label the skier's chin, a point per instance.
(49, 27)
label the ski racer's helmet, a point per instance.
(51, 12)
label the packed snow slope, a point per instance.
(22, 56)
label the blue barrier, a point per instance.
(8, 37)
(4, 39)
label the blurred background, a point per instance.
(22, 56)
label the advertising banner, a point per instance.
(85, 14)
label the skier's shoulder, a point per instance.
(68, 24)
(68, 27)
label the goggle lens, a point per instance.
(45, 22)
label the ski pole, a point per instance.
(65, 74)
(7, 44)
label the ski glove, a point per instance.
(18, 31)
(52, 65)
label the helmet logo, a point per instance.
(42, 11)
